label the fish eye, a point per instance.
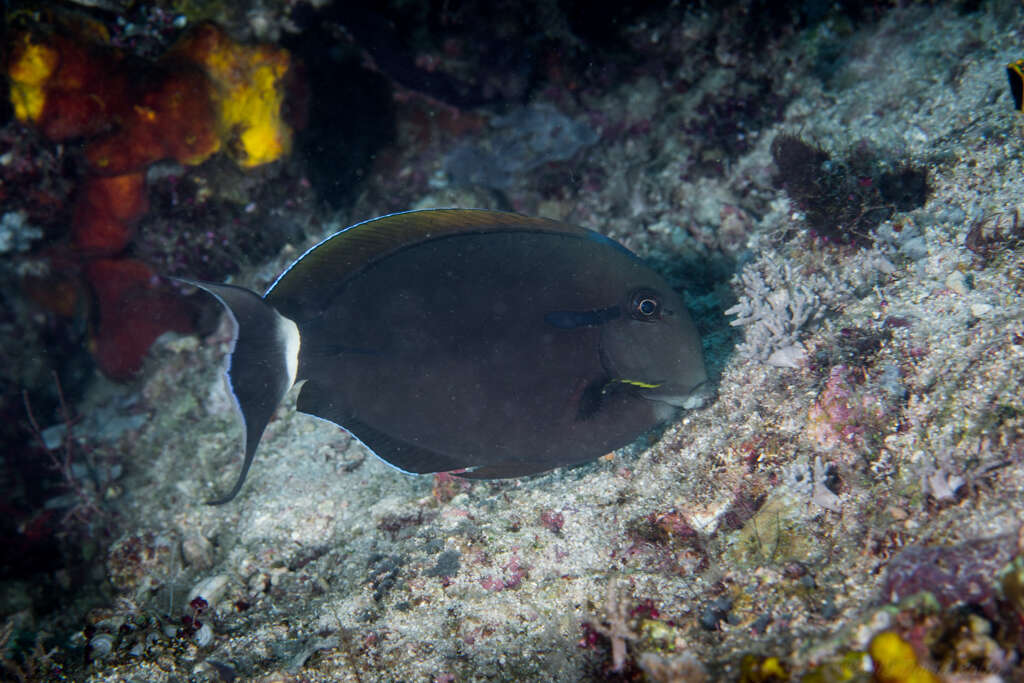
(645, 304)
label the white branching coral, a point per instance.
(15, 232)
(778, 301)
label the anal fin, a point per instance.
(317, 400)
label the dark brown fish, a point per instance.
(1015, 74)
(483, 343)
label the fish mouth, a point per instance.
(675, 394)
(690, 399)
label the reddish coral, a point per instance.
(447, 486)
(552, 521)
(134, 309)
(511, 577)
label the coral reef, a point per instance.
(845, 200)
(846, 508)
(517, 143)
(778, 302)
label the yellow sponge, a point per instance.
(249, 92)
(896, 662)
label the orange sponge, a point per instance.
(106, 211)
(171, 117)
(206, 94)
(896, 662)
(134, 309)
(66, 87)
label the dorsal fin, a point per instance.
(345, 252)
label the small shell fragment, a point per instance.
(210, 589)
(197, 551)
(101, 645)
(204, 636)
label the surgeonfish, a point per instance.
(481, 343)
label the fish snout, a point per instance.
(689, 399)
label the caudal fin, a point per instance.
(264, 360)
